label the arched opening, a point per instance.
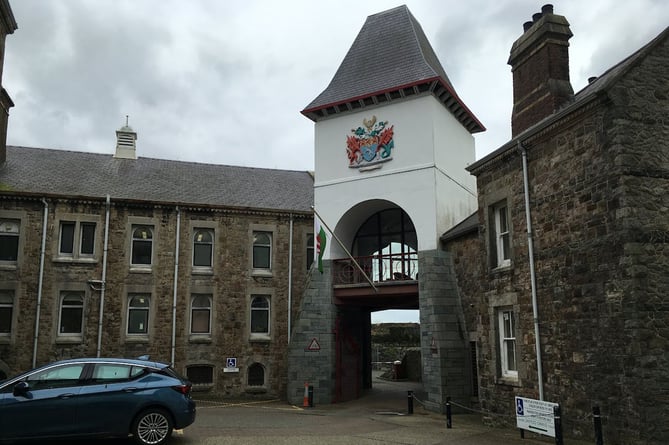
(387, 241)
(381, 275)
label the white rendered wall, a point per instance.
(426, 176)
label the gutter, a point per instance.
(176, 282)
(290, 275)
(103, 284)
(533, 280)
(41, 280)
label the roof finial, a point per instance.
(126, 120)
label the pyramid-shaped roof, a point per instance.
(390, 59)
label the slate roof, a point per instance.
(81, 174)
(391, 53)
(467, 225)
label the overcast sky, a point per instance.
(224, 81)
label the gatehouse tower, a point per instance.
(392, 140)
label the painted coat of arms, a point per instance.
(370, 144)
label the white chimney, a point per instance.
(125, 142)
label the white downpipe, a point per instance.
(176, 282)
(533, 280)
(41, 279)
(290, 275)
(104, 276)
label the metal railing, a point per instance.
(379, 268)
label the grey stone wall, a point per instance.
(315, 321)
(598, 190)
(443, 343)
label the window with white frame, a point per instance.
(507, 343)
(310, 250)
(203, 248)
(500, 235)
(142, 245)
(138, 314)
(77, 239)
(262, 250)
(260, 311)
(200, 314)
(9, 240)
(6, 311)
(71, 313)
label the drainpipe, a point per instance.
(104, 275)
(533, 280)
(176, 281)
(290, 274)
(41, 279)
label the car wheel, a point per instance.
(152, 427)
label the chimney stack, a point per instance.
(540, 65)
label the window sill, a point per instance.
(137, 339)
(202, 270)
(260, 338)
(502, 268)
(5, 339)
(199, 338)
(69, 340)
(261, 273)
(508, 381)
(140, 269)
(8, 265)
(71, 260)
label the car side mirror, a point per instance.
(21, 388)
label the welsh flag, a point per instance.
(321, 242)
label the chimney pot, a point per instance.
(536, 17)
(527, 25)
(547, 9)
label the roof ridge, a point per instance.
(146, 158)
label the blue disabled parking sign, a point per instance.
(519, 407)
(231, 362)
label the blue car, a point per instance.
(96, 397)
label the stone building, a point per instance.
(563, 270)
(192, 264)
(539, 270)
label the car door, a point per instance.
(111, 398)
(43, 403)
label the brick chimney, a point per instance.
(540, 65)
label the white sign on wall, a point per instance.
(535, 415)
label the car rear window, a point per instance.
(116, 372)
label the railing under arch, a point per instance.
(379, 268)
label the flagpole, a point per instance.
(369, 280)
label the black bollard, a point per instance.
(597, 419)
(449, 423)
(410, 402)
(310, 393)
(557, 418)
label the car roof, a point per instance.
(124, 361)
